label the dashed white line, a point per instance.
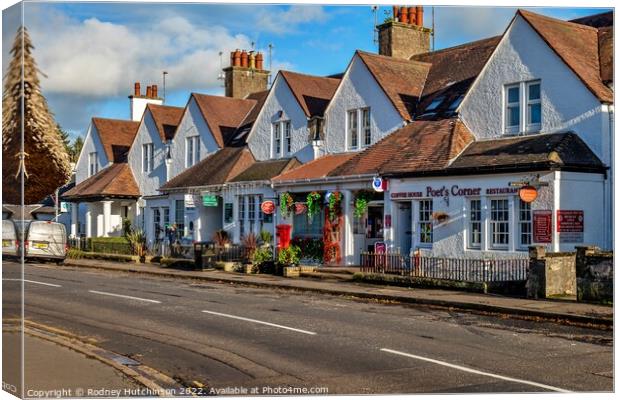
(29, 281)
(475, 371)
(259, 322)
(124, 296)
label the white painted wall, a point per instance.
(137, 105)
(192, 124)
(260, 140)
(231, 195)
(92, 143)
(148, 182)
(522, 55)
(359, 89)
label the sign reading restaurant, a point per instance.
(454, 190)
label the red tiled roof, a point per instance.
(606, 53)
(421, 145)
(401, 80)
(223, 115)
(166, 119)
(319, 168)
(603, 19)
(313, 93)
(116, 180)
(577, 45)
(116, 137)
(216, 169)
(267, 169)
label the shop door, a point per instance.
(404, 236)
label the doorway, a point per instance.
(404, 234)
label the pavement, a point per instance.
(564, 311)
(228, 337)
(71, 374)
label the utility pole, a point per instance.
(270, 58)
(164, 74)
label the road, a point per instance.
(229, 336)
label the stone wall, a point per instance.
(550, 274)
(595, 271)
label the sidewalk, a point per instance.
(44, 378)
(561, 311)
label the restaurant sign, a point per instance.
(570, 226)
(454, 190)
(542, 226)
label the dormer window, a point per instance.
(456, 103)
(359, 128)
(434, 104)
(281, 139)
(147, 157)
(92, 163)
(192, 151)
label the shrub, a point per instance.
(249, 244)
(221, 238)
(311, 248)
(266, 236)
(289, 256)
(75, 254)
(262, 255)
(109, 245)
(137, 239)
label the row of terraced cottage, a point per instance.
(408, 149)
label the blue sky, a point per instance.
(93, 52)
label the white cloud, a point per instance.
(97, 58)
(456, 25)
(284, 21)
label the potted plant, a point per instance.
(250, 243)
(361, 204)
(137, 241)
(288, 260)
(441, 216)
(266, 238)
(286, 204)
(221, 238)
(333, 205)
(313, 201)
(263, 260)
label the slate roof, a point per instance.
(452, 72)
(315, 169)
(216, 169)
(597, 20)
(421, 145)
(117, 180)
(313, 93)
(401, 80)
(116, 136)
(265, 170)
(166, 119)
(224, 115)
(577, 45)
(556, 150)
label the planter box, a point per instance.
(307, 268)
(229, 266)
(291, 272)
(250, 269)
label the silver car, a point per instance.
(46, 240)
(10, 241)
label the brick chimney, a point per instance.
(139, 101)
(245, 74)
(405, 35)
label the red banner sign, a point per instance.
(268, 207)
(542, 226)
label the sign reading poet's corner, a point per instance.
(570, 226)
(542, 226)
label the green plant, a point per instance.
(110, 245)
(75, 254)
(289, 256)
(286, 203)
(126, 227)
(361, 204)
(221, 238)
(334, 205)
(137, 240)
(250, 243)
(313, 202)
(262, 255)
(266, 236)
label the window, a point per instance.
(499, 223)
(241, 216)
(366, 127)
(513, 109)
(142, 212)
(304, 227)
(259, 200)
(156, 222)
(147, 157)
(434, 104)
(228, 213)
(533, 106)
(475, 223)
(456, 103)
(166, 221)
(277, 140)
(92, 163)
(425, 224)
(179, 218)
(287, 136)
(251, 212)
(352, 126)
(192, 151)
(525, 223)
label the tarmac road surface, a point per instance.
(233, 338)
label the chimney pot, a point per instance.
(149, 92)
(237, 56)
(419, 16)
(136, 89)
(252, 60)
(412, 15)
(232, 58)
(395, 13)
(154, 91)
(259, 61)
(404, 15)
(244, 59)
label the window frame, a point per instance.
(147, 157)
(524, 222)
(288, 140)
(192, 155)
(93, 166)
(512, 129)
(471, 221)
(277, 139)
(352, 129)
(366, 130)
(529, 126)
(421, 222)
(494, 223)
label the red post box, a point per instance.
(283, 232)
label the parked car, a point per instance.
(46, 240)
(10, 240)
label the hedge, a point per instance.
(110, 245)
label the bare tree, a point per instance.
(39, 156)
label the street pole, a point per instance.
(56, 199)
(164, 98)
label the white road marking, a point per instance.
(29, 281)
(260, 322)
(124, 296)
(475, 371)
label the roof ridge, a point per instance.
(114, 119)
(452, 48)
(521, 11)
(284, 71)
(393, 59)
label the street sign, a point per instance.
(209, 200)
(268, 207)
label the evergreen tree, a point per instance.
(76, 148)
(36, 155)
